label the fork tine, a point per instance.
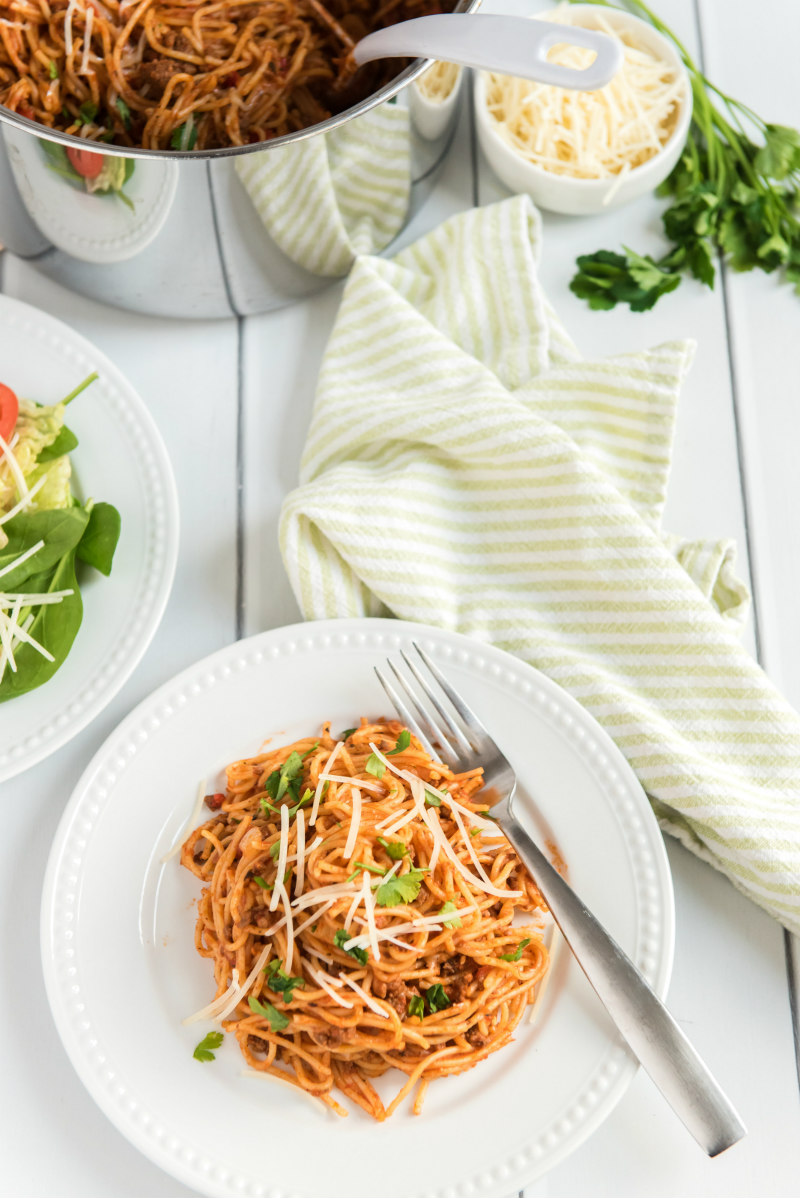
(404, 713)
(471, 721)
(453, 727)
(434, 732)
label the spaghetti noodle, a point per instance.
(358, 906)
(176, 75)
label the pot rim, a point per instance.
(387, 92)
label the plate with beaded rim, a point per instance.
(120, 458)
(230, 1136)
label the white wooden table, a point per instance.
(233, 401)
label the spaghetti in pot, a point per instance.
(190, 75)
(359, 908)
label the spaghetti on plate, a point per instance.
(359, 908)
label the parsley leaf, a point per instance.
(403, 741)
(277, 1020)
(52, 69)
(402, 888)
(275, 850)
(517, 954)
(734, 190)
(259, 881)
(185, 136)
(431, 799)
(436, 998)
(394, 848)
(86, 113)
(124, 112)
(348, 732)
(605, 279)
(446, 909)
(280, 981)
(375, 766)
(203, 1051)
(340, 940)
(416, 1007)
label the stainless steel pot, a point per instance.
(225, 232)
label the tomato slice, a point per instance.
(85, 162)
(9, 410)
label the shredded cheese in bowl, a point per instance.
(590, 135)
(437, 84)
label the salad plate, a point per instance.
(485, 1133)
(119, 460)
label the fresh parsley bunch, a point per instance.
(730, 194)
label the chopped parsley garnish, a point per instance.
(277, 1020)
(431, 799)
(375, 766)
(416, 1007)
(52, 69)
(403, 741)
(348, 732)
(280, 981)
(515, 956)
(364, 865)
(275, 850)
(185, 136)
(400, 889)
(395, 848)
(124, 112)
(436, 998)
(203, 1051)
(287, 779)
(340, 940)
(446, 909)
(259, 881)
(86, 113)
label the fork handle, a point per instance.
(643, 1020)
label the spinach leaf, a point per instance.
(65, 442)
(54, 627)
(60, 530)
(96, 546)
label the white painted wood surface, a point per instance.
(734, 474)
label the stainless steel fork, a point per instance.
(451, 732)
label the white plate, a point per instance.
(121, 459)
(118, 932)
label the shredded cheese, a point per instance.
(87, 40)
(300, 833)
(312, 819)
(7, 456)
(355, 823)
(216, 1004)
(282, 853)
(325, 983)
(287, 907)
(23, 557)
(71, 7)
(369, 910)
(24, 501)
(368, 999)
(589, 135)
(438, 82)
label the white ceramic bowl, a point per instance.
(431, 117)
(583, 197)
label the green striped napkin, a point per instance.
(352, 186)
(465, 467)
